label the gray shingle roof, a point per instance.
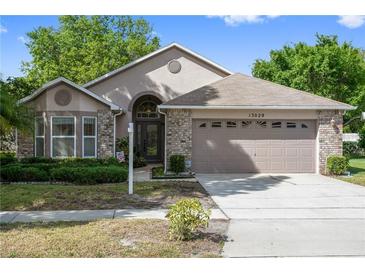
(242, 91)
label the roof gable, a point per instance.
(153, 54)
(240, 91)
(72, 84)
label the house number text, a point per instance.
(256, 115)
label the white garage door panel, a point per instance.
(257, 147)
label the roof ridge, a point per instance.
(60, 79)
(150, 55)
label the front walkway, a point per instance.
(289, 214)
(88, 215)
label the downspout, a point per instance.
(165, 158)
(114, 129)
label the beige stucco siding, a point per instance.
(79, 101)
(153, 75)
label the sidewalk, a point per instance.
(88, 215)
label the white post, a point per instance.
(130, 159)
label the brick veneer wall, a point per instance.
(25, 145)
(329, 136)
(105, 133)
(178, 133)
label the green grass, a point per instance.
(104, 196)
(105, 238)
(357, 169)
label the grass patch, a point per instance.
(106, 238)
(105, 196)
(357, 169)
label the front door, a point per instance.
(148, 136)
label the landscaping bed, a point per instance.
(158, 173)
(103, 196)
(107, 238)
(71, 170)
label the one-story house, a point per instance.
(183, 103)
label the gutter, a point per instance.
(283, 107)
(114, 128)
(165, 159)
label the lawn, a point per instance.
(357, 169)
(104, 196)
(107, 238)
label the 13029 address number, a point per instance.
(256, 115)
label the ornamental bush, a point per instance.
(18, 173)
(36, 160)
(90, 175)
(337, 165)
(351, 148)
(185, 217)
(177, 163)
(7, 158)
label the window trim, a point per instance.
(39, 136)
(60, 136)
(89, 136)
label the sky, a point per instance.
(234, 42)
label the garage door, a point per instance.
(231, 146)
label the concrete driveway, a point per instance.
(289, 214)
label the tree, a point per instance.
(83, 48)
(329, 69)
(362, 137)
(17, 87)
(13, 115)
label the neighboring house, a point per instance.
(183, 103)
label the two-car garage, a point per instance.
(234, 146)
(242, 124)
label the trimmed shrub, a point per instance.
(46, 167)
(7, 158)
(362, 137)
(90, 175)
(177, 163)
(78, 162)
(110, 161)
(36, 160)
(139, 161)
(18, 173)
(158, 171)
(337, 165)
(351, 148)
(185, 217)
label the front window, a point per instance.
(147, 110)
(63, 137)
(39, 137)
(89, 137)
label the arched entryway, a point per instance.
(149, 128)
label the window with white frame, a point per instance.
(88, 137)
(39, 137)
(63, 139)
